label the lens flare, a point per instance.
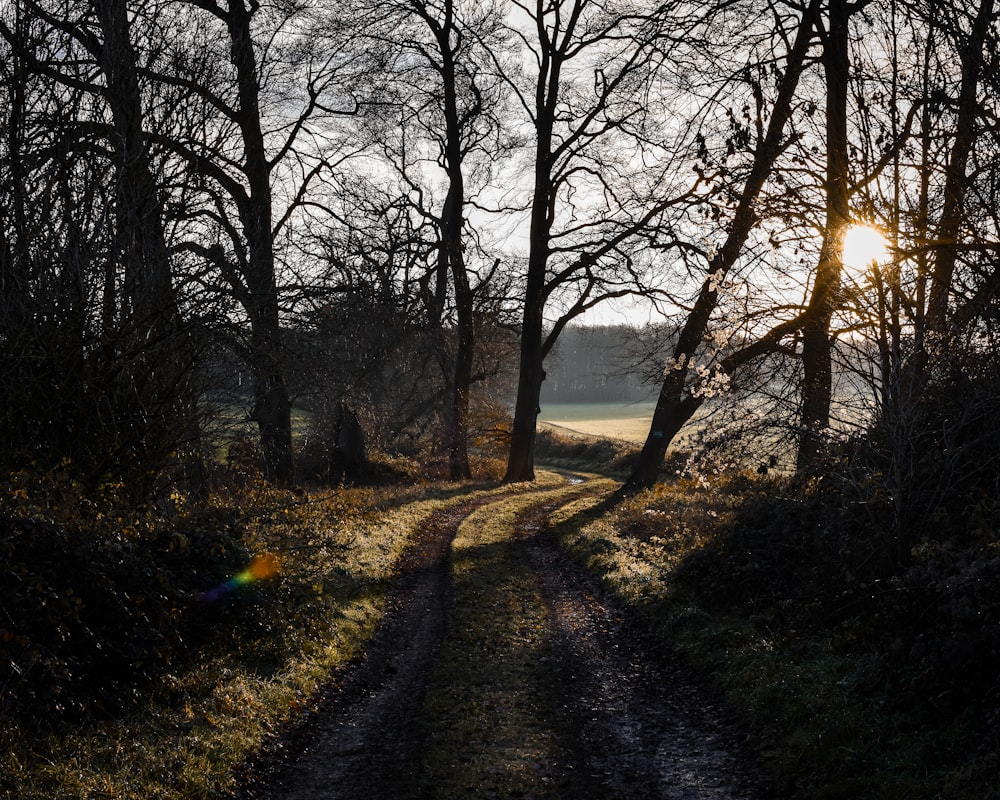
(261, 568)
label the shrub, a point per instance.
(585, 452)
(94, 609)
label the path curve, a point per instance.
(648, 730)
(357, 743)
(631, 722)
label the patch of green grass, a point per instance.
(586, 453)
(229, 433)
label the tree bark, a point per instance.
(272, 405)
(156, 413)
(142, 242)
(460, 382)
(453, 257)
(817, 385)
(521, 458)
(956, 180)
(674, 406)
(14, 249)
(458, 450)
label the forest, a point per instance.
(597, 363)
(259, 252)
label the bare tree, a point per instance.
(928, 313)
(971, 53)
(600, 182)
(369, 345)
(444, 90)
(677, 402)
(142, 341)
(242, 136)
(817, 384)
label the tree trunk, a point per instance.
(458, 450)
(142, 242)
(956, 181)
(817, 385)
(673, 407)
(14, 241)
(460, 380)
(272, 406)
(156, 415)
(521, 459)
(453, 257)
(673, 410)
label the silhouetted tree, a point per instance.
(677, 401)
(599, 182)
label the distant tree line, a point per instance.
(395, 207)
(591, 364)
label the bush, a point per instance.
(932, 458)
(91, 612)
(918, 637)
(585, 452)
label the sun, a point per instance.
(863, 245)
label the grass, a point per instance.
(261, 653)
(227, 672)
(230, 434)
(575, 451)
(184, 734)
(766, 588)
(626, 421)
(860, 675)
(490, 726)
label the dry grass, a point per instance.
(488, 724)
(743, 576)
(740, 575)
(183, 737)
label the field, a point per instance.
(627, 421)
(630, 422)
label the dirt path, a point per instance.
(499, 671)
(645, 728)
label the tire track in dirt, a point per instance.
(357, 743)
(644, 729)
(629, 722)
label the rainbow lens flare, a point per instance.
(262, 567)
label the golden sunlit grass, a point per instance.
(488, 724)
(335, 553)
(636, 546)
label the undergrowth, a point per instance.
(581, 452)
(864, 675)
(146, 654)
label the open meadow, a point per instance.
(626, 421)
